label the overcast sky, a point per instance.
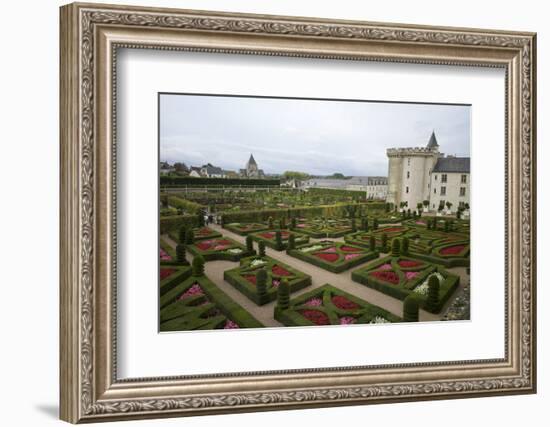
(314, 136)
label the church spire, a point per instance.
(432, 143)
(251, 161)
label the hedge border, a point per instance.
(271, 242)
(220, 256)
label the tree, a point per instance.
(372, 243)
(433, 293)
(283, 295)
(419, 206)
(441, 206)
(261, 249)
(198, 266)
(410, 309)
(395, 247)
(189, 236)
(261, 282)
(249, 244)
(388, 207)
(298, 176)
(337, 175)
(408, 213)
(278, 240)
(182, 233)
(180, 167)
(448, 204)
(180, 253)
(405, 246)
(426, 203)
(291, 242)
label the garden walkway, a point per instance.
(215, 269)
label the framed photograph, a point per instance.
(267, 212)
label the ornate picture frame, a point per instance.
(90, 37)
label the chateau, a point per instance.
(421, 174)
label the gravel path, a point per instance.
(215, 269)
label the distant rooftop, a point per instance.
(452, 164)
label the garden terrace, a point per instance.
(199, 233)
(328, 305)
(269, 238)
(324, 227)
(219, 249)
(333, 256)
(450, 249)
(400, 277)
(244, 229)
(197, 303)
(362, 238)
(243, 278)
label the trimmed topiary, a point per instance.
(200, 219)
(395, 247)
(283, 295)
(261, 282)
(293, 222)
(375, 224)
(282, 223)
(270, 222)
(189, 237)
(384, 242)
(353, 225)
(433, 294)
(410, 309)
(405, 246)
(249, 243)
(261, 249)
(291, 242)
(278, 240)
(198, 266)
(181, 234)
(372, 243)
(180, 253)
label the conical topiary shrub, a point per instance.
(198, 266)
(372, 243)
(395, 247)
(189, 237)
(261, 249)
(283, 295)
(180, 253)
(291, 242)
(432, 301)
(181, 234)
(384, 242)
(249, 243)
(278, 240)
(375, 224)
(410, 309)
(405, 246)
(270, 222)
(261, 282)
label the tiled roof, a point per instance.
(452, 164)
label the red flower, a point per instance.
(251, 279)
(327, 257)
(390, 229)
(344, 303)
(315, 316)
(386, 276)
(279, 271)
(165, 272)
(268, 235)
(407, 263)
(349, 249)
(203, 246)
(452, 250)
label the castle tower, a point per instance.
(409, 173)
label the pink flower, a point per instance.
(314, 302)
(220, 247)
(385, 267)
(351, 256)
(301, 225)
(330, 250)
(275, 283)
(193, 290)
(411, 274)
(164, 256)
(229, 324)
(347, 320)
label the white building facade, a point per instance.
(415, 175)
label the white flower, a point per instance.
(234, 251)
(257, 262)
(311, 248)
(423, 288)
(379, 319)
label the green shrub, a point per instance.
(261, 282)
(181, 234)
(405, 246)
(200, 219)
(372, 243)
(180, 253)
(283, 295)
(384, 242)
(261, 249)
(278, 240)
(249, 243)
(375, 224)
(198, 266)
(353, 225)
(293, 223)
(410, 309)
(291, 242)
(270, 222)
(189, 237)
(432, 302)
(282, 223)
(395, 247)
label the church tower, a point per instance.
(252, 167)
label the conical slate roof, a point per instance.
(251, 161)
(432, 143)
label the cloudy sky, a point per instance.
(315, 136)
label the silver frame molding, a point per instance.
(90, 37)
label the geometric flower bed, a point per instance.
(219, 249)
(170, 276)
(243, 278)
(197, 303)
(199, 233)
(333, 256)
(328, 305)
(268, 237)
(362, 238)
(403, 276)
(450, 249)
(324, 227)
(243, 229)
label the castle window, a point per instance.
(408, 174)
(408, 162)
(463, 179)
(444, 177)
(407, 190)
(443, 191)
(435, 190)
(435, 177)
(462, 191)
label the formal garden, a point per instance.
(274, 258)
